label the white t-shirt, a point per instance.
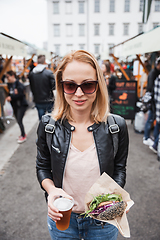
(81, 172)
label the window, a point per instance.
(111, 29)
(141, 5)
(96, 5)
(157, 5)
(69, 47)
(55, 7)
(68, 30)
(110, 45)
(68, 7)
(57, 49)
(155, 24)
(56, 30)
(82, 46)
(140, 27)
(96, 48)
(126, 29)
(81, 29)
(81, 7)
(112, 6)
(96, 29)
(127, 6)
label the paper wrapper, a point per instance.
(106, 184)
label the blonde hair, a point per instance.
(100, 107)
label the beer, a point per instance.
(64, 205)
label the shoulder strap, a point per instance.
(114, 130)
(49, 129)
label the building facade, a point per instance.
(96, 25)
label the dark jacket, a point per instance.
(112, 85)
(17, 100)
(150, 85)
(52, 166)
(42, 83)
(151, 78)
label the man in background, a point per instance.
(42, 83)
(151, 113)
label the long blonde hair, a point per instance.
(100, 107)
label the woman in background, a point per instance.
(18, 101)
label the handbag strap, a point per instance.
(49, 129)
(114, 130)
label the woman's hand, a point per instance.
(8, 98)
(53, 212)
(15, 91)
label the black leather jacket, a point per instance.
(52, 166)
(42, 84)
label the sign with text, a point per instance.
(125, 98)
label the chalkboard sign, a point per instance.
(124, 98)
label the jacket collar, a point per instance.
(72, 128)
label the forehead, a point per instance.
(79, 70)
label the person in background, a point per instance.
(110, 80)
(42, 83)
(151, 113)
(18, 101)
(81, 148)
(156, 95)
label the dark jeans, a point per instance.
(148, 124)
(19, 114)
(156, 134)
(42, 108)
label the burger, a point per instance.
(106, 207)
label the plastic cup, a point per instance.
(64, 205)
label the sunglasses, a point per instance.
(88, 87)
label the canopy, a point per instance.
(144, 43)
(11, 46)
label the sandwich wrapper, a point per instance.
(104, 185)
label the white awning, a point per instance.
(12, 47)
(147, 42)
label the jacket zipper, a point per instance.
(56, 149)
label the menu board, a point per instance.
(124, 98)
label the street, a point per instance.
(23, 210)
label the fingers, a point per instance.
(54, 214)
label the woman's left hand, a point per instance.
(8, 98)
(15, 91)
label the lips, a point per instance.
(79, 102)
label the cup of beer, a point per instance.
(64, 205)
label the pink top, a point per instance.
(81, 172)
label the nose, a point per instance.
(79, 92)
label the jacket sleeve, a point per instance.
(20, 94)
(120, 160)
(43, 160)
(52, 81)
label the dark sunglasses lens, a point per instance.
(89, 87)
(69, 87)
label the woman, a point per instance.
(110, 80)
(18, 101)
(82, 147)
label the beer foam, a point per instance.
(63, 204)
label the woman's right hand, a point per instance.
(53, 212)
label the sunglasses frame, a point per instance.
(79, 85)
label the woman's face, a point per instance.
(79, 72)
(10, 78)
